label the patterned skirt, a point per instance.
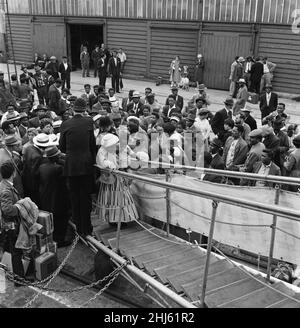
(115, 200)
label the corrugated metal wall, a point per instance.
(266, 11)
(283, 48)
(166, 44)
(21, 36)
(132, 37)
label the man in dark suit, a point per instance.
(54, 194)
(65, 70)
(266, 167)
(53, 68)
(178, 99)
(136, 106)
(268, 102)
(78, 142)
(114, 65)
(217, 162)
(9, 196)
(54, 97)
(217, 123)
(171, 109)
(256, 73)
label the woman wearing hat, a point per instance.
(114, 199)
(175, 76)
(292, 164)
(202, 125)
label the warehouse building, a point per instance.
(153, 32)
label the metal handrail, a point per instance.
(230, 174)
(252, 205)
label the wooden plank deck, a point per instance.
(181, 267)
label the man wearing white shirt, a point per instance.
(267, 78)
(123, 59)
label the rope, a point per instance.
(221, 222)
(253, 277)
(287, 233)
(160, 237)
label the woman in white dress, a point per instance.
(202, 125)
(114, 199)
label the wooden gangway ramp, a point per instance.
(180, 267)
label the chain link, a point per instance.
(116, 275)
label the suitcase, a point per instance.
(253, 98)
(46, 220)
(45, 265)
(43, 243)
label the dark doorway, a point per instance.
(88, 35)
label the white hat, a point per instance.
(53, 140)
(57, 124)
(52, 58)
(136, 94)
(41, 140)
(242, 81)
(133, 118)
(175, 118)
(241, 59)
(97, 117)
(113, 99)
(109, 140)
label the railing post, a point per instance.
(272, 243)
(119, 223)
(168, 205)
(209, 248)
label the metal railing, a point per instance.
(274, 210)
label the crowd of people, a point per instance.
(48, 150)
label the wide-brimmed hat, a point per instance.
(136, 94)
(41, 140)
(109, 140)
(52, 152)
(174, 88)
(53, 58)
(202, 87)
(80, 105)
(242, 81)
(241, 59)
(96, 118)
(11, 141)
(229, 101)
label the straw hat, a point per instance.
(41, 140)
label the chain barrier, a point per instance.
(55, 274)
(114, 275)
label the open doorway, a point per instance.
(88, 35)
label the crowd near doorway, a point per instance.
(87, 35)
